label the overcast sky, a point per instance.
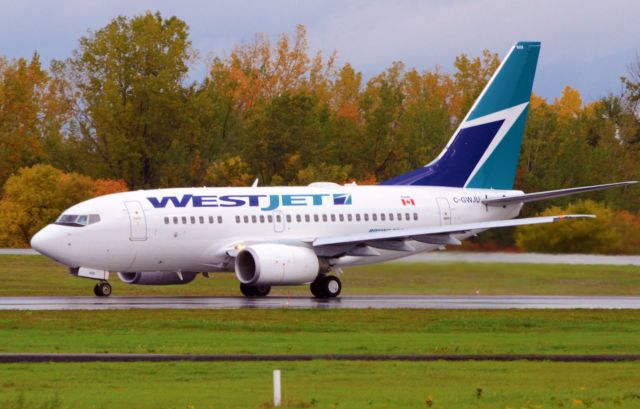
(585, 44)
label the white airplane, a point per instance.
(274, 236)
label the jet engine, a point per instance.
(276, 264)
(157, 277)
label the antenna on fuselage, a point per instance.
(255, 183)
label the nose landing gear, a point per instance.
(102, 289)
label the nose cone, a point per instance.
(50, 241)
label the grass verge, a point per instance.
(323, 331)
(321, 384)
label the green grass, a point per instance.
(35, 275)
(321, 384)
(323, 331)
(328, 384)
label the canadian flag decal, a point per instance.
(407, 201)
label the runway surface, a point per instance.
(34, 358)
(346, 302)
(478, 257)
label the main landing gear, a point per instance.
(102, 289)
(326, 287)
(255, 290)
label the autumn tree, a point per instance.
(36, 196)
(574, 236)
(32, 112)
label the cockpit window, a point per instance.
(77, 220)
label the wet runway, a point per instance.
(345, 302)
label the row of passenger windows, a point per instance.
(328, 217)
(192, 219)
(298, 218)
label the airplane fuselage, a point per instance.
(194, 229)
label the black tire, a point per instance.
(247, 290)
(102, 289)
(316, 288)
(331, 286)
(261, 290)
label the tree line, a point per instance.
(122, 111)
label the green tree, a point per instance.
(134, 114)
(284, 136)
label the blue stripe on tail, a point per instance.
(473, 158)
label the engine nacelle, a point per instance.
(157, 278)
(276, 264)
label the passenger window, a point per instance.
(415, 216)
(237, 219)
(391, 216)
(366, 217)
(316, 218)
(400, 217)
(210, 219)
(201, 219)
(374, 217)
(333, 217)
(175, 220)
(324, 217)
(261, 218)
(278, 218)
(382, 216)
(246, 219)
(357, 217)
(166, 220)
(220, 219)
(270, 219)
(341, 217)
(254, 219)
(288, 218)
(298, 218)
(193, 219)
(349, 218)
(407, 217)
(307, 218)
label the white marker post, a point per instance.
(277, 392)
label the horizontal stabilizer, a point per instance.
(532, 197)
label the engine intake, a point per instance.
(157, 278)
(276, 264)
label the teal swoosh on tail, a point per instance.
(483, 153)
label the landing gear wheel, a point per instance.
(326, 287)
(255, 291)
(102, 289)
(315, 289)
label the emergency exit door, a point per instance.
(445, 210)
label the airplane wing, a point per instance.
(532, 197)
(360, 244)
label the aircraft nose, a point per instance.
(50, 242)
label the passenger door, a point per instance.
(137, 221)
